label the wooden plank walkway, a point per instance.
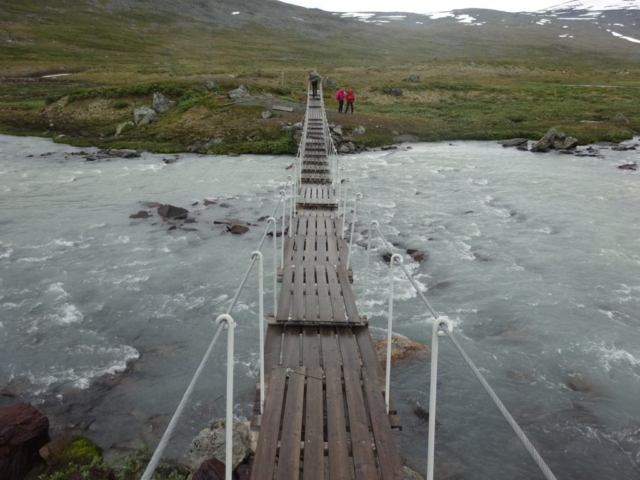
(324, 415)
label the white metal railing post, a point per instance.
(230, 325)
(433, 389)
(260, 258)
(284, 203)
(289, 177)
(373, 225)
(273, 222)
(394, 257)
(344, 209)
(353, 226)
(339, 197)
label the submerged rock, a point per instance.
(140, 214)
(401, 348)
(628, 166)
(514, 142)
(172, 213)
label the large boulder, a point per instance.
(412, 78)
(169, 212)
(144, 115)
(240, 92)
(237, 227)
(161, 103)
(23, 431)
(210, 443)
(359, 130)
(393, 91)
(556, 140)
(620, 119)
(211, 85)
(122, 127)
(401, 348)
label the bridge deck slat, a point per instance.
(339, 464)
(334, 293)
(314, 426)
(284, 303)
(347, 295)
(270, 430)
(326, 313)
(311, 297)
(289, 460)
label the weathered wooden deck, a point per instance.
(324, 414)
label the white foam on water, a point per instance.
(57, 288)
(67, 315)
(610, 354)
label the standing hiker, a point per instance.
(340, 95)
(350, 99)
(314, 78)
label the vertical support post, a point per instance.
(373, 225)
(229, 427)
(353, 226)
(284, 203)
(273, 222)
(257, 254)
(432, 390)
(394, 257)
(339, 197)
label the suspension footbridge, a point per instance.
(323, 406)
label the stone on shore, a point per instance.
(210, 443)
(122, 127)
(23, 431)
(140, 214)
(144, 115)
(412, 78)
(401, 348)
(554, 140)
(161, 103)
(393, 91)
(240, 92)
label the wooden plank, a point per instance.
(307, 194)
(310, 347)
(321, 250)
(303, 225)
(330, 350)
(347, 295)
(322, 227)
(314, 426)
(289, 459)
(311, 295)
(343, 250)
(388, 458)
(339, 467)
(311, 227)
(348, 348)
(265, 458)
(272, 348)
(297, 303)
(331, 230)
(288, 250)
(314, 194)
(324, 301)
(337, 305)
(361, 442)
(332, 250)
(284, 303)
(298, 254)
(310, 249)
(370, 359)
(291, 347)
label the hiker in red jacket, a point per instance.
(340, 95)
(350, 99)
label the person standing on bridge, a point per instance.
(340, 96)
(314, 78)
(351, 97)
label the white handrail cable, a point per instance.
(505, 413)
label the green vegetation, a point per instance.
(88, 466)
(467, 90)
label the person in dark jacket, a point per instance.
(314, 78)
(340, 96)
(351, 97)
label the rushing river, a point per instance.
(535, 258)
